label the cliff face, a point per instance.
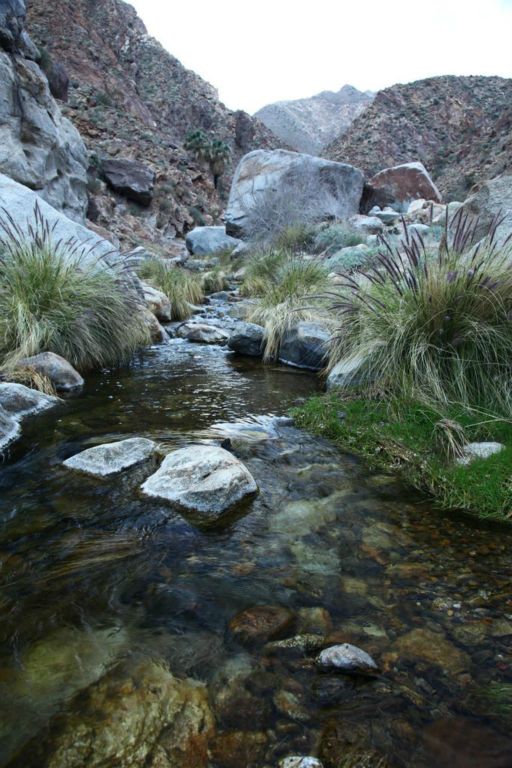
(38, 146)
(129, 98)
(460, 128)
(309, 125)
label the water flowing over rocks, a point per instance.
(247, 339)
(60, 373)
(204, 479)
(288, 187)
(261, 623)
(111, 458)
(203, 241)
(305, 346)
(201, 333)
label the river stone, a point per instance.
(60, 373)
(158, 303)
(129, 178)
(474, 451)
(261, 623)
(296, 761)
(204, 479)
(19, 401)
(345, 373)
(296, 645)
(201, 333)
(9, 428)
(461, 742)
(137, 716)
(398, 186)
(202, 241)
(287, 185)
(111, 458)
(234, 749)
(433, 648)
(346, 658)
(247, 339)
(304, 346)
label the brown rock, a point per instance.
(262, 623)
(464, 743)
(433, 648)
(238, 749)
(398, 186)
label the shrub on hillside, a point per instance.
(183, 288)
(437, 329)
(54, 296)
(335, 237)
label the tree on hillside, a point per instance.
(214, 152)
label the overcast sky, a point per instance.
(259, 52)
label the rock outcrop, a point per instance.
(274, 188)
(309, 125)
(133, 100)
(399, 186)
(38, 146)
(460, 128)
(492, 201)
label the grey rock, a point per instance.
(112, 458)
(201, 333)
(387, 217)
(398, 186)
(130, 178)
(9, 428)
(204, 479)
(276, 185)
(202, 241)
(247, 339)
(158, 303)
(12, 19)
(368, 225)
(20, 401)
(345, 373)
(297, 761)
(297, 645)
(305, 346)
(492, 198)
(474, 451)
(420, 229)
(60, 373)
(346, 658)
(39, 147)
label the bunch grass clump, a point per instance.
(437, 329)
(59, 296)
(287, 287)
(335, 237)
(297, 238)
(214, 280)
(183, 288)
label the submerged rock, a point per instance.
(56, 368)
(296, 761)
(201, 333)
(247, 339)
(234, 749)
(137, 716)
(465, 743)
(19, 401)
(204, 479)
(261, 623)
(296, 645)
(111, 458)
(202, 241)
(432, 647)
(305, 346)
(346, 658)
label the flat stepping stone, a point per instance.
(202, 478)
(111, 458)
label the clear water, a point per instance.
(91, 573)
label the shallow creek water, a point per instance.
(92, 573)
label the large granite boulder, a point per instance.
(204, 240)
(38, 146)
(247, 339)
(276, 188)
(130, 178)
(492, 199)
(204, 479)
(61, 374)
(398, 186)
(305, 346)
(112, 458)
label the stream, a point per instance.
(93, 574)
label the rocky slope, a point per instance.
(460, 128)
(309, 125)
(129, 98)
(38, 146)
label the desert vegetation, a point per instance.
(60, 297)
(183, 288)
